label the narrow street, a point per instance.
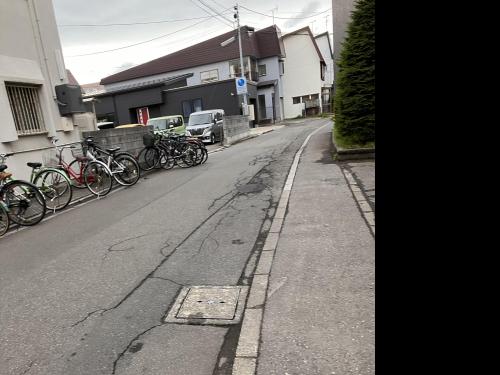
(86, 291)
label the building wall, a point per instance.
(326, 52)
(273, 73)
(30, 52)
(223, 68)
(302, 72)
(213, 96)
(341, 10)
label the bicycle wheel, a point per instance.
(4, 220)
(55, 187)
(166, 161)
(98, 178)
(148, 158)
(188, 157)
(25, 203)
(77, 167)
(125, 169)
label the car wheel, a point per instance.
(212, 138)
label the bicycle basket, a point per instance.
(50, 158)
(148, 140)
(78, 151)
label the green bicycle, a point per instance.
(53, 183)
(23, 202)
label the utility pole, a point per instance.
(237, 16)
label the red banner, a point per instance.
(142, 115)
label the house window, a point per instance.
(190, 106)
(262, 70)
(282, 67)
(209, 76)
(296, 100)
(25, 107)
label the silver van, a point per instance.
(206, 125)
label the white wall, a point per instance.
(223, 68)
(326, 52)
(302, 72)
(30, 52)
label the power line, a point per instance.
(223, 20)
(286, 18)
(133, 23)
(136, 44)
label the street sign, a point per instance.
(241, 85)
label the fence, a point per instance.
(128, 139)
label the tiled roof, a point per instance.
(71, 78)
(141, 85)
(261, 44)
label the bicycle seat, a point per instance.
(112, 150)
(3, 167)
(34, 165)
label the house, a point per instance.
(325, 46)
(36, 100)
(304, 74)
(200, 77)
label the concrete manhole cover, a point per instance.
(208, 305)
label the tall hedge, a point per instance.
(355, 86)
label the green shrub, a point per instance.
(355, 90)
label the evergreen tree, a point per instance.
(355, 89)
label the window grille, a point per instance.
(26, 109)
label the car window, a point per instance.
(200, 119)
(176, 121)
(160, 124)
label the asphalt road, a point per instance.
(85, 292)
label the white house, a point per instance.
(304, 73)
(325, 46)
(31, 66)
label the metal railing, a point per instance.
(26, 108)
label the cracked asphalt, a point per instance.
(86, 292)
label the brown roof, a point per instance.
(261, 44)
(308, 30)
(71, 78)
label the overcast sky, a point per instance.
(79, 40)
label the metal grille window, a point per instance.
(26, 109)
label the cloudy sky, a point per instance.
(173, 25)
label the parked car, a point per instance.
(128, 126)
(206, 125)
(164, 124)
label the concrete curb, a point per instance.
(247, 351)
(351, 153)
(361, 200)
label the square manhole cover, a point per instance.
(208, 305)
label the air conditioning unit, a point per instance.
(69, 99)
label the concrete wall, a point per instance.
(302, 72)
(341, 11)
(235, 128)
(128, 139)
(30, 52)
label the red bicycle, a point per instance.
(74, 169)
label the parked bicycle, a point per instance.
(53, 183)
(85, 171)
(24, 202)
(123, 166)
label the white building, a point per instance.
(31, 66)
(325, 46)
(304, 74)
